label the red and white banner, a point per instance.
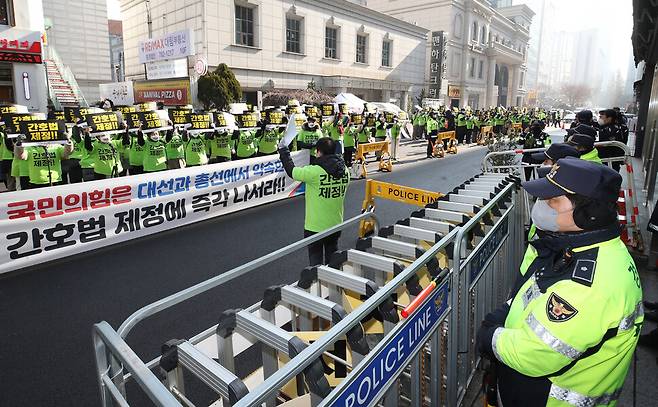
(45, 224)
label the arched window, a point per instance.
(458, 26)
(474, 36)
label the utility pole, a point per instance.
(149, 21)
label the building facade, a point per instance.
(277, 44)
(78, 31)
(116, 50)
(22, 72)
(486, 46)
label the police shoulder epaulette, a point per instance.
(583, 271)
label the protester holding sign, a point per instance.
(395, 137)
(72, 169)
(175, 150)
(245, 141)
(155, 151)
(326, 184)
(268, 140)
(105, 155)
(349, 138)
(135, 154)
(221, 146)
(309, 136)
(44, 162)
(195, 149)
(7, 156)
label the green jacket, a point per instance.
(461, 120)
(592, 156)
(308, 138)
(431, 125)
(555, 319)
(325, 196)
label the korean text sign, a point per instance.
(41, 225)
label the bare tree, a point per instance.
(576, 95)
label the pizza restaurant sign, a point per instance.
(20, 46)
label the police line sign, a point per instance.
(392, 355)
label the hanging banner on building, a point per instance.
(22, 46)
(175, 45)
(173, 92)
(437, 76)
(45, 224)
(120, 93)
(176, 68)
(454, 92)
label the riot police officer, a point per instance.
(567, 335)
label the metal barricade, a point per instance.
(430, 278)
(628, 203)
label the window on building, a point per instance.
(472, 71)
(522, 80)
(6, 12)
(331, 42)
(294, 35)
(474, 37)
(244, 25)
(483, 36)
(481, 69)
(362, 48)
(386, 53)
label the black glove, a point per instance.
(492, 320)
(497, 317)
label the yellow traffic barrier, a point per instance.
(515, 129)
(451, 137)
(393, 192)
(381, 148)
(486, 132)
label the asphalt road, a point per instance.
(46, 314)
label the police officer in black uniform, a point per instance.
(610, 130)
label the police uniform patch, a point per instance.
(559, 310)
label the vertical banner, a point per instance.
(41, 225)
(437, 65)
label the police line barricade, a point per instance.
(627, 203)
(486, 133)
(44, 224)
(382, 152)
(323, 357)
(392, 192)
(450, 139)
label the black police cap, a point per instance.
(575, 176)
(555, 152)
(582, 140)
(582, 129)
(584, 116)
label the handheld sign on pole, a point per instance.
(178, 116)
(155, 120)
(357, 119)
(199, 123)
(274, 118)
(291, 131)
(146, 106)
(74, 114)
(225, 121)
(105, 123)
(312, 111)
(43, 132)
(13, 120)
(328, 110)
(5, 109)
(389, 117)
(247, 121)
(343, 108)
(371, 120)
(126, 109)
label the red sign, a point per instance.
(20, 46)
(172, 92)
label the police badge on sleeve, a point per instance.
(558, 309)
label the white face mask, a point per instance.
(601, 122)
(545, 217)
(104, 139)
(155, 137)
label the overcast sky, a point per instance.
(113, 10)
(614, 16)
